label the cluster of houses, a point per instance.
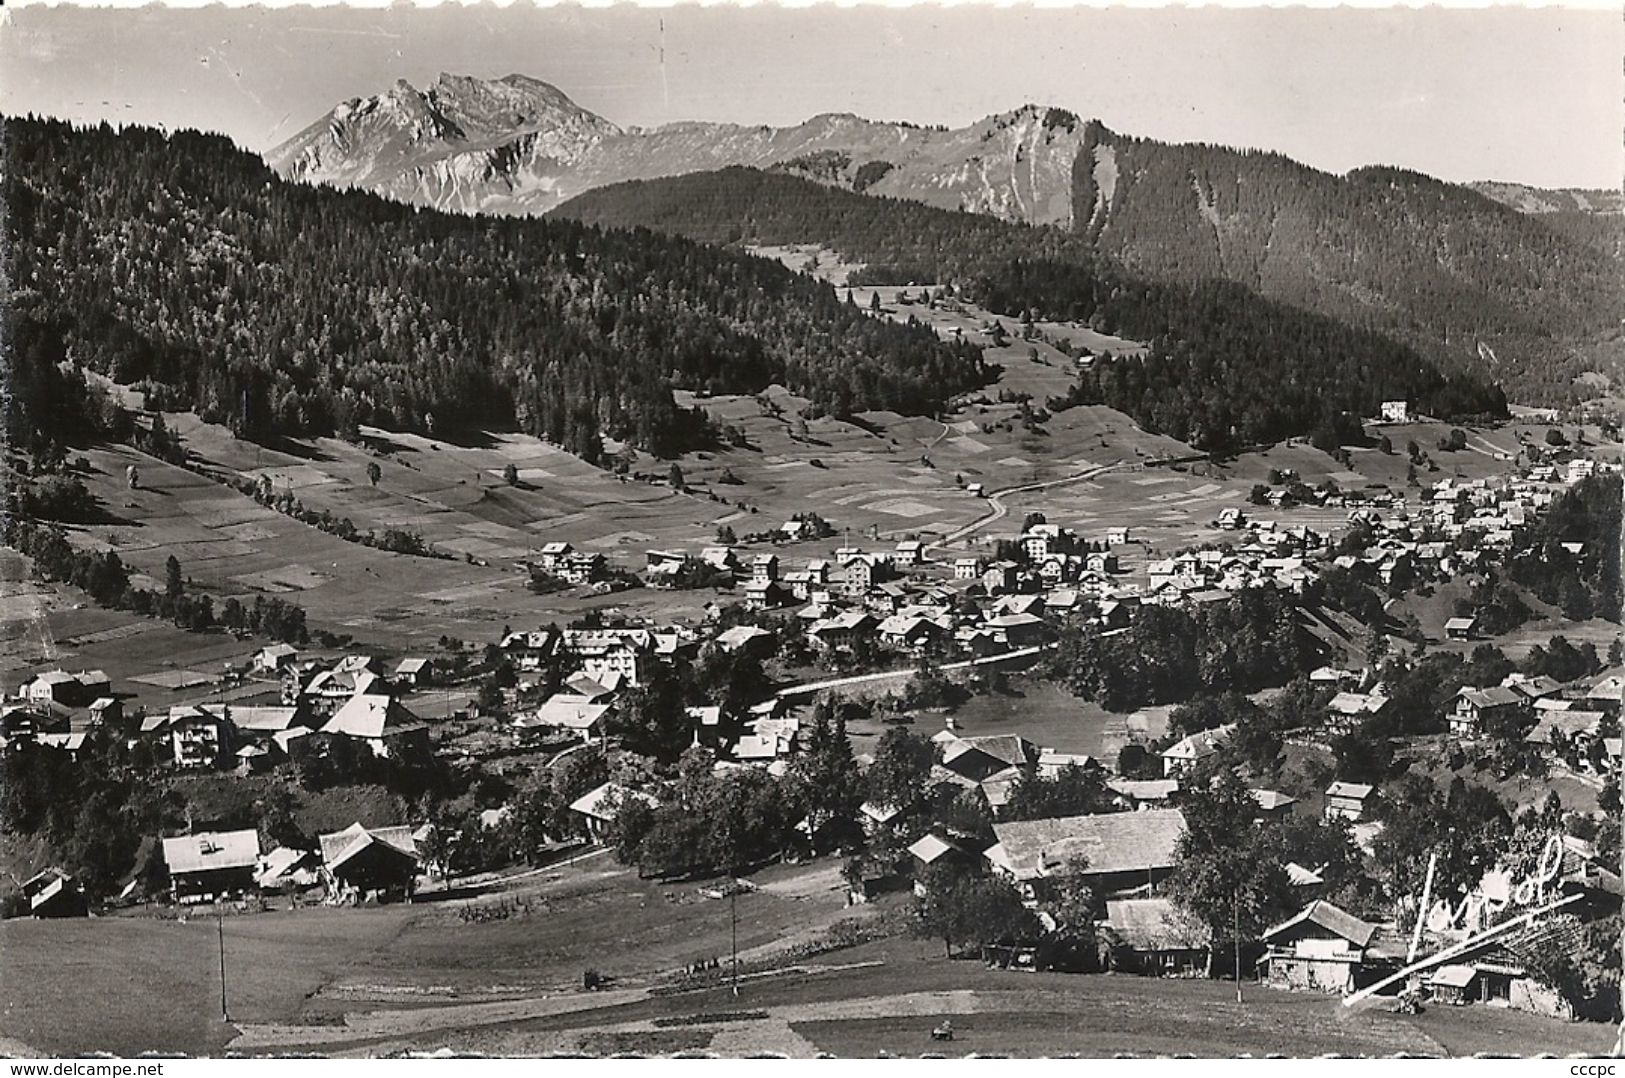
(351, 698)
(350, 866)
(1126, 855)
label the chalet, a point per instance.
(967, 568)
(1570, 731)
(1188, 752)
(581, 567)
(1347, 710)
(288, 869)
(1230, 518)
(213, 865)
(1121, 851)
(31, 721)
(601, 806)
(198, 737)
(412, 672)
(105, 709)
(978, 758)
(361, 863)
(1475, 711)
(68, 690)
(1052, 763)
(380, 722)
(607, 652)
(528, 651)
(909, 552)
(858, 575)
(568, 714)
(330, 688)
(1117, 536)
(54, 893)
(746, 639)
(1018, 630)
(842, 630)
(910, 633)
(999, 578)
(1321, 949)
(1152, 936)
(1100, 562)
(1042, 540)
(763, 594)
(1604, 694)
(1272, 805)
(553, 556)
(933, 849)
(1460, 628)
(1139, 794)
(275, 658)
(592, 689)
(764, 568)
(1347, 801)
(720, 557)
(1395, 412)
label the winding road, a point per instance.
(997, 510)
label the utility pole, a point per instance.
(1235, 936)
(733, 917)
(220, 936)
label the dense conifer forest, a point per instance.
(1226, 367)
(1438, 265)
(182, 263)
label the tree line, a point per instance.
(182, 263)
(1226, 366)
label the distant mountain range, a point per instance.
(517, 145)
(1517, 282)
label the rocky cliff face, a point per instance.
(520, 146)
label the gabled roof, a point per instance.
(1111, 842)
(368, 715)
(341, 846)
(1012, 750)
(212, 850)
(1144, 789)
(931, 847)
(1155, 924)
(1202, 743)
(1357, 790)
(569, 712)
(1270, 800)
(603, 802)
(591, 688)
(1298, 876)
(1495, 697)
(1325, 915)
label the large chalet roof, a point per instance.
(1325, 915)
(1495, 697)
(1155, 924)
(1012, 750)
(602, 803)
(212, 850)
(1357, 790)
(570, 712)
(1200, 744)
(369, 715)
(1110, 843)
(341, 846)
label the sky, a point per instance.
(1525, 95)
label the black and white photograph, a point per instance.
(881, 532)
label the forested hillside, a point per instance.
(1440, 265)
(184, 263)
(1226, 366)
